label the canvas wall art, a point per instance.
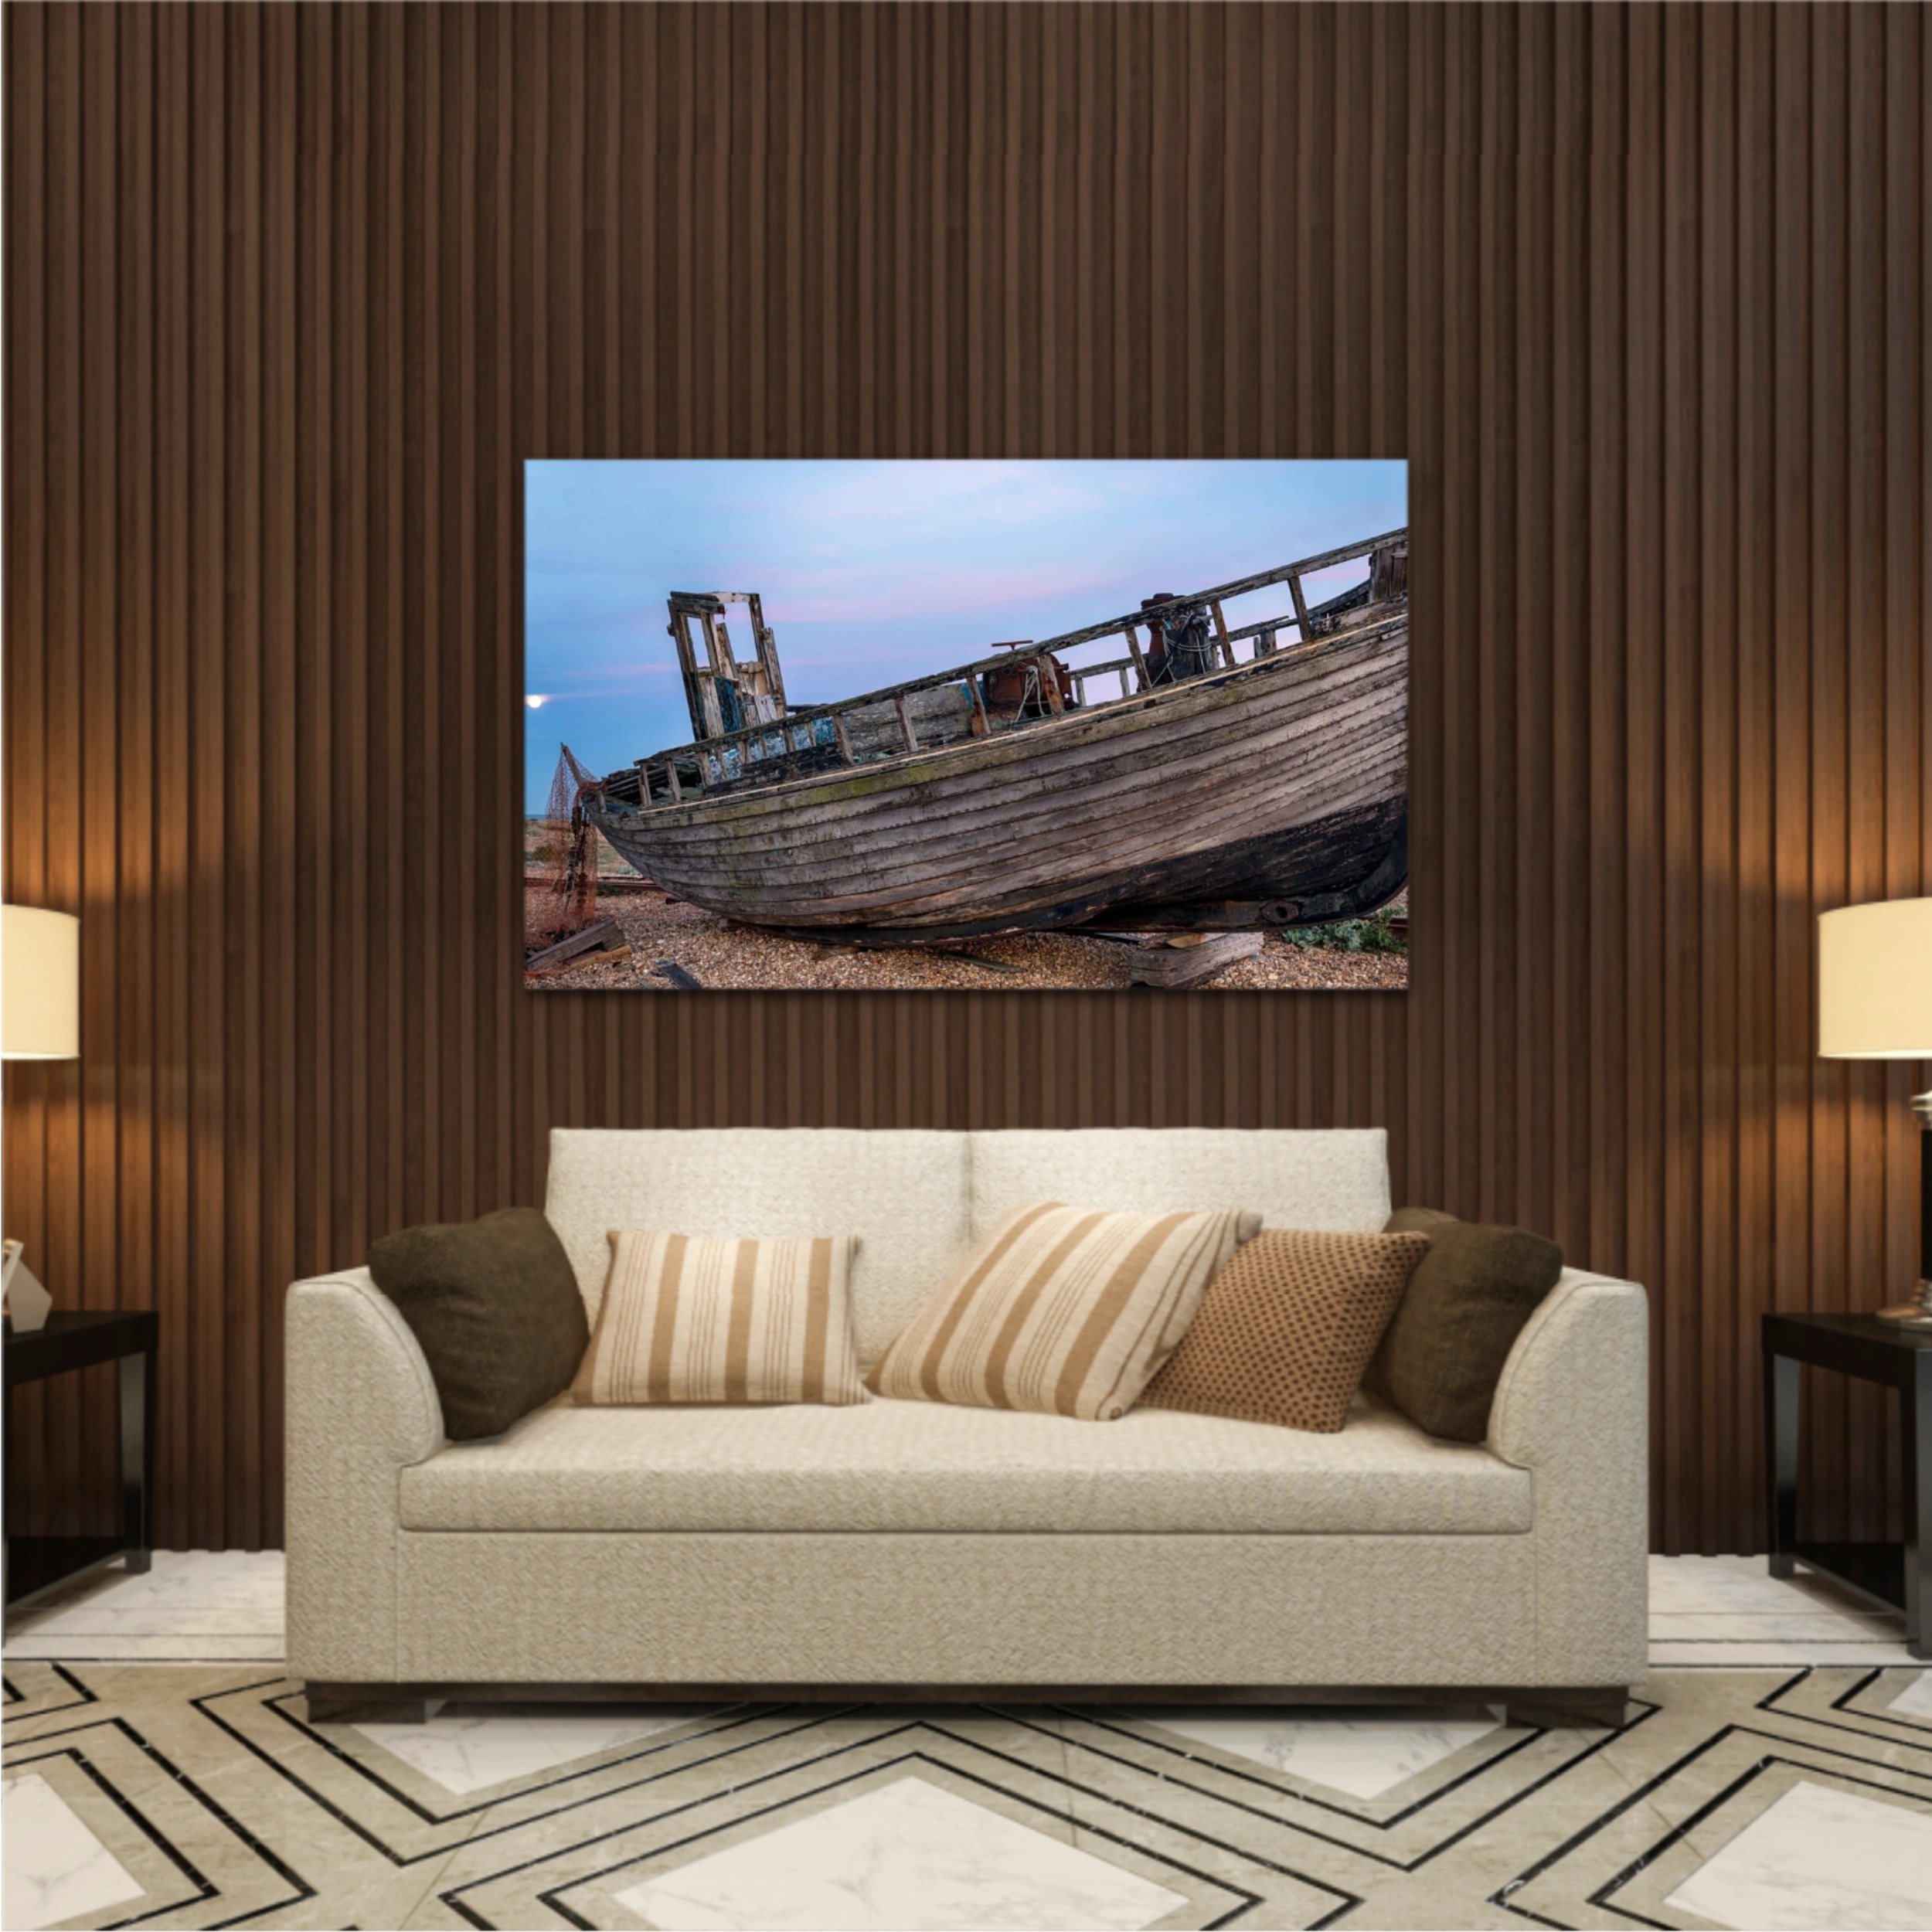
(982, 725)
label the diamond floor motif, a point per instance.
(1819, 1856)
(467, 1750)
(908, 1855)
(1363, 1753)
(1797, 1798)
(56, 1869)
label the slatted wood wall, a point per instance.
(290, 293)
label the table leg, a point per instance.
(1918, 1511)
(1781, 1385)
(136, 1374)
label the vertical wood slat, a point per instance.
(1639, 293)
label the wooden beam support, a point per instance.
(713, 713)
(1221, 634)
(1301, 608)
(906, 724)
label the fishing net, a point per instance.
(559, 860)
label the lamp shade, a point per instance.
(39, 984)
(1875, 981)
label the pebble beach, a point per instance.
(662, 933)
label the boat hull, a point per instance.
(1274, 793)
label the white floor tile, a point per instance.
(909, 1857)
(1361, 1753)
(1740, 1585)
(69, 1647)
(1916, 1699)
(471, 1749)
(1665, 1655)
(1819, 1856)
(1720, 1611)
(55, 1869)
(193, 1605)
(1787, 1627)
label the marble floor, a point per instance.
(1775, 1772)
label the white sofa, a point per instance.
(913, 1549)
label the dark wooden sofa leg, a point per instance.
(1537, 1709)
(1559, 1709)
(363, 1704)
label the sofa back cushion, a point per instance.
(1334, 1179)
(902, 1193)
(919, 1201)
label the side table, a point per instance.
(78, 1339)
(1897, 1575)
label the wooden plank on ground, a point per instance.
(599, 934)
(1164, 963)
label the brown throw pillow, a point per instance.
(1444, 1352)
(1288, 1327)
(495, 1306)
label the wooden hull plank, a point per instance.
(1284, 779)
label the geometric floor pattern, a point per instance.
(198, 1795)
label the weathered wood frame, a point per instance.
(760, 676)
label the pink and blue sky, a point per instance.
(876, 572)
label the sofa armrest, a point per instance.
(1571, 1408)
(362, 1406)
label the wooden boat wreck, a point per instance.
(1210, 780)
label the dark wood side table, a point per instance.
(1897, 1575)
(78, 1339)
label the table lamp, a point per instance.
(39, 1020)
(1875, 1003)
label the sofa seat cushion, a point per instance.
(910, 1466)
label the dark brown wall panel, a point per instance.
(291, 292)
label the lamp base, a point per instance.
(1910, 1315)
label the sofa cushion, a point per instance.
(686, 1318)
(1443, 1351)
(923, 1466)
(1287, 1328)
(490, 1304)
(1334, 1178)
(903, 1194)
(1066, 1311)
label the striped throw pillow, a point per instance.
(1066, 1311)
(686, 1318)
